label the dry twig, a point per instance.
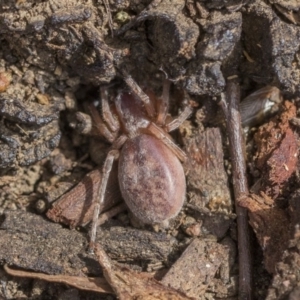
(230, 106)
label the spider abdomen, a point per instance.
(151, 179)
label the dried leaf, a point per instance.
(76, 207)
(94, 284)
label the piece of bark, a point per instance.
(206, 173)
(130, 285)
(31, 242)
(193, 271)
(277, 152)
(76, 207)
(271, 226)
(276, 158)
(207, 180)
(130, 244)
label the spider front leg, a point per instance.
(100, 128)
(106, 125)
(137, 91)
(174, 124)
(107, 115)
(163, 108)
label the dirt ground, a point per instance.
(54, 58)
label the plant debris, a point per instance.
(76, 207)
(83, 283)
(277, 160)
(128, 284)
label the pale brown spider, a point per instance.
(150, 173)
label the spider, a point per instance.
(150, 173)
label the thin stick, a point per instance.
(240, 184)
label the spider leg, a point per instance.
(163, 109)
(174, 124)
(99, 127)
(163, 106)
(106, 170)
(137, 91)
(161, 134)
(107, 115)
(111, 156)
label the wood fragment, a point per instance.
(270, 224)
(31, 242)
(5, 80)
(194, 271)
(207, 180)
(130, 244)
(277, 152)
(206, 173)
(276, 158)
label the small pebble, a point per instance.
(193, 230)
(40, 206)
(5, 80)
(29, 77)
(42, 99)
